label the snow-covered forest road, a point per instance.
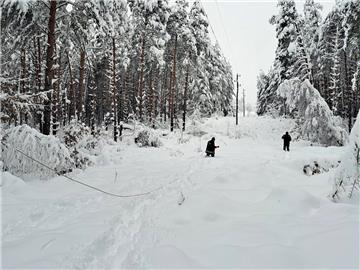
(250, 206)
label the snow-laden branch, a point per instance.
(318, 124)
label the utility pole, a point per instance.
(237, 99)
(244, 102)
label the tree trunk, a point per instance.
(55, 101)
(72, 105)
(79, 104)
(172, 88)
(37, 50)
(49, 73)
(38, 67)
(185, 92)
(348, 94)
(151, 98)
(125, 95)
(114, 101)
(23, 75)
(141, 78)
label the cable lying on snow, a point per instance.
(90, 186)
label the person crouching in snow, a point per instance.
(210, 148)
(287, 139)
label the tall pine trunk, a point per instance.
(151, 99)
(113, 90)
(186, 92)
(72, 104)
(55, 100)
(172, 88)
(49, 73)
(81, 88)
(23, 77)
(141, 78)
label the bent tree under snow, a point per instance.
(46, 149)
(348, 173)
(317, 122)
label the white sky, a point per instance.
(246, 36)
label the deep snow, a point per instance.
(250, 206)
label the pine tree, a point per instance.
(286, 24)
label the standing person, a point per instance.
(210, 148)
(287, 139)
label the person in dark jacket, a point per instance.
(287, 139)
(210, 148)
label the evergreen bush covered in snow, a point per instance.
(147, 137)
(82, 144)
(73, 133)
(46, 149)
(317, 122)
(348, 173)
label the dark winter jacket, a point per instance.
(287, 138)
(210, 148)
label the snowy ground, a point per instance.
(250, 206)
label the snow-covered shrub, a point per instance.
(317, 122)
(82, 144)
(73, 133)
(46, 149)
(347, 175)
(147, 137)
(92, 145)
(81, 159)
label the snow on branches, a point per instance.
(347, 176)
(46, 149)
(14, 105)
(318, 124)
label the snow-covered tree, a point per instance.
(347, 175)
(310, 30)
(45, 149)
(286, 33)
(317, 122)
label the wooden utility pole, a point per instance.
(237, 99)
(244, 102)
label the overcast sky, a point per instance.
(246, 37)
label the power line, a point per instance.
(223, 26)
(225, 31)
(212, 29)
(87, 185)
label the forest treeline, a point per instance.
(102, 62)
(324, 51)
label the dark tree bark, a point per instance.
(186, 92)
(72, 105)
(81, 88)
(49, 72)
(172, 87)
(141, 78)
(113, 90)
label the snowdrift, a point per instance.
(318, 124)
